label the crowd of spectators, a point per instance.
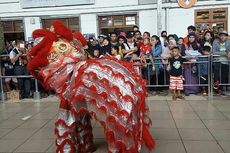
(151, 57)
(13, 63)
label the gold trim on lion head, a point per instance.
(62, 48)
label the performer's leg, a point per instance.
(115, 147)
(119, 142)
(65, 129)
(83, 128)
(84, 133)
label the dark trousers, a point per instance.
(24, 84)
(221, 74)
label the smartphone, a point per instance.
(21, 45)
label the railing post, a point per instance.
(2, 91)
(1, 84)
(149, 77)
(36, 93)
(228, 87)
(210, 77)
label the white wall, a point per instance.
(31, 24)
(11, 8)
(179, 20)
(88, 23)
(148, 21)
(163, 20)
(104, 3)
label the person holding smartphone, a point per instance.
(16, 57)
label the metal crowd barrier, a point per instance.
(218, 69)
(193, 62)
(154, 78)
(36, 93)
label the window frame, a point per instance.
(112, 26)
(14, 29)
(211, 21)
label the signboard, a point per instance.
(53, 3)
(186, 3)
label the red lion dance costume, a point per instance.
(106, 89)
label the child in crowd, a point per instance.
(203, 68)
(136, 64)
(96, 53)
(175, 72)
(146, 52)
(114, 52)
(139, 42)
(180, 44)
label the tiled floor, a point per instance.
(194, 125)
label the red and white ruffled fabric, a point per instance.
(105, 89)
